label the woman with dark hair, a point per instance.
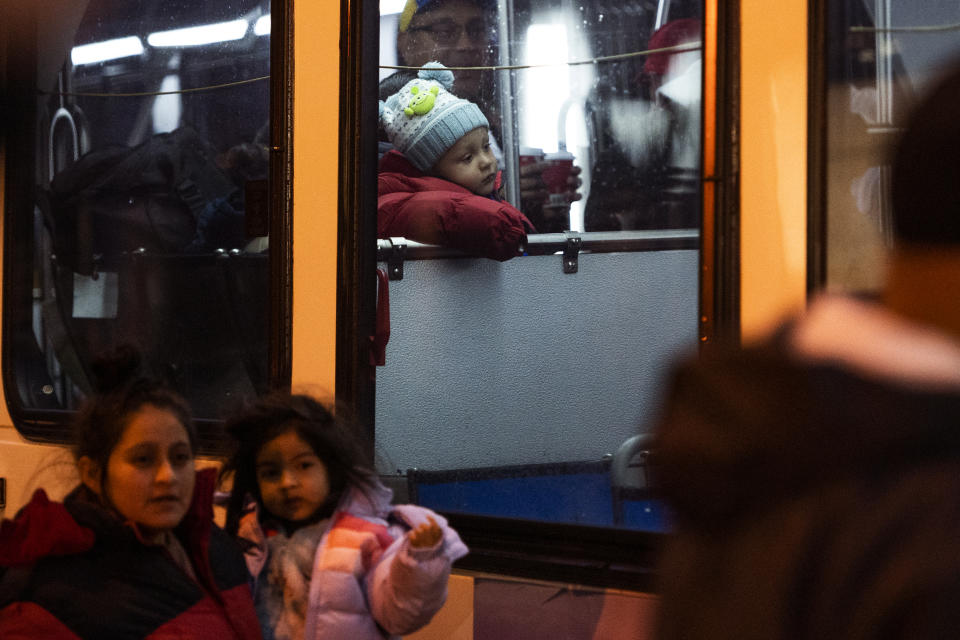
(132, 552)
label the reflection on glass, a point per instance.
(262, 26)
(199, 35)
(107, 50)
(152, 126)
(631, 122)
(881, 55)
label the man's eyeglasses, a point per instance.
(449, 32)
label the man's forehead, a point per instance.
(459, 11)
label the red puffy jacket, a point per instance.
(74, 571)
(432, 210)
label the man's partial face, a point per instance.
(453, 32)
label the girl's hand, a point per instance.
(426, 535)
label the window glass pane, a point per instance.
(147, 218)
(630, 122)
(509, 386)
(881, 56)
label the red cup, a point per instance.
(555, 175)
(530, 155)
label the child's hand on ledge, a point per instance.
(426, 535)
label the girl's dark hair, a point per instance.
(338, 444)
(120, 390)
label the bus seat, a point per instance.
(574, 492)
(634, 500)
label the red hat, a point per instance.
(669, 35)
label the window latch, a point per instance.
(571, 254)
(395, 255)
(381, 334)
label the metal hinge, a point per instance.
(395, 256)
(571, 254)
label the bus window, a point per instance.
(556, 80)
(880, 57)
(523, 389)
(138, 216)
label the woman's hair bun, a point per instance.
(116, 369)
(436, 71)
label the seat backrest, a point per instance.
(635, 503)
(629, 469)
(576, 492)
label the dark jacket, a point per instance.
(815, 484)
(432, 210)
(73, 570)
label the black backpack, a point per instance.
(154, 197)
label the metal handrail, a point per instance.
(551, 243)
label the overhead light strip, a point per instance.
(106, 50)
(199, 35)
(262, 26)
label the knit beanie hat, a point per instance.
(411, 7)
(423, 120)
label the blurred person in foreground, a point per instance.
(814, 479)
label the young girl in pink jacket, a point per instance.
(330, 556)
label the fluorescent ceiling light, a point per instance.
(106, 50)
(262, 26)
(203, 34)
(388, 7)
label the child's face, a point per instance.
(150, 474)
(470, 163)
(293, 481)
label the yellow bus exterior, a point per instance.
(773, 143)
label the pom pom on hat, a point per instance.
(423, 120)
(438, 72)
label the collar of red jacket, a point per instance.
(46, 528)
(42, 528)
(396, 164)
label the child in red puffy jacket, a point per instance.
(440, 183)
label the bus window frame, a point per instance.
(599, 556)
(19, 83)
(817, 157)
